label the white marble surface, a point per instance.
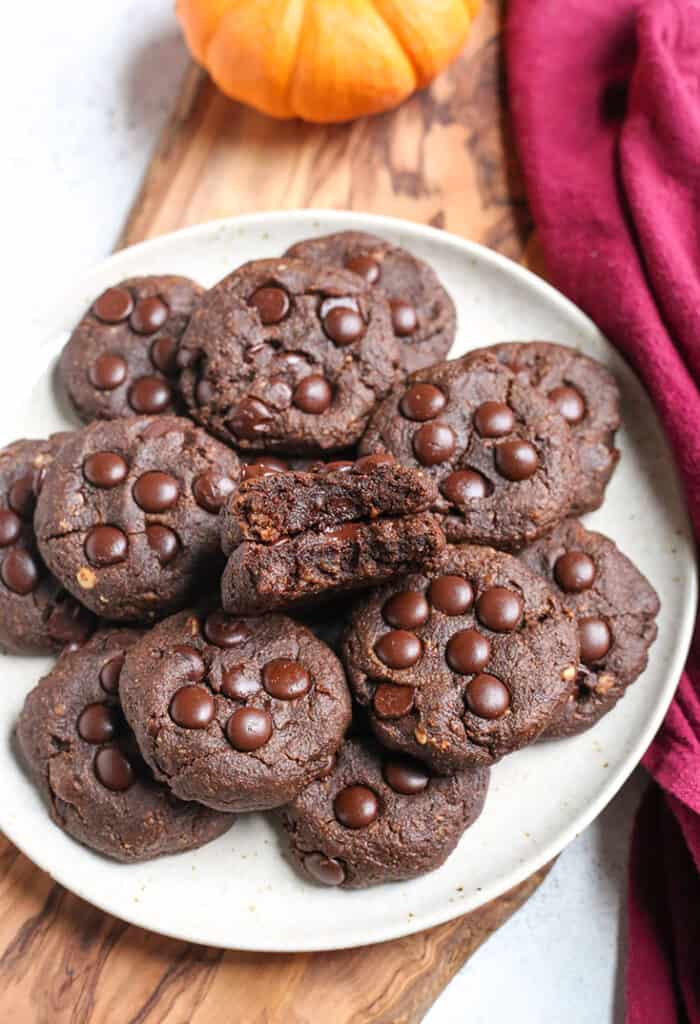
(77, 137)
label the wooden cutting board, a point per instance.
(444, 158)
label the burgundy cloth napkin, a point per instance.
(605, 97)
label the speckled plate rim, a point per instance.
(348, 934)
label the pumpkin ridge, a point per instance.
(294, 64)
(409, 56)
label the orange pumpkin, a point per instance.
(324, 60)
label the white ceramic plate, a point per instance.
(240, 891)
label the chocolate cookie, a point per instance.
(127, 517)
(36, 613)
(296, 537)
(463, 664)
(504, 459)
(120, 359)
(587, 396)
(423, 315)
(237, 714)
(289, 356)
(614, 606)
(83, 758)
(379, 817)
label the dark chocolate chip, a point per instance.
(113, 305)
(487, 697)
(500, 609)
(286, 679)
(149, 315)
(150, 395)
(22, 497)
(192, 707)
(155, 491)
(249, 419)
(10, 527)
(392, 701)
(211, 490)
(106, 545)
(517, 459)
(494, 419)
(19, 572)
(105, 469)
(313, 394)
(452, 595)
(595, 639)
(405, 775)
(324, 870)
(164, 354)
(574, 571)
(107, 372)
(404, 318)
(356, 807)
(195, 668)
(569, 403)
(434, 443)
(113, 769)
(343, 325)
(98, 723)
(249, 729)
(110, 672)
(238, 683)
(367, 268)
(406, 610)
(164, 541)
(468, 652)
(272, 304)
(399, 649)
(422, 402)
(222, 630)
(465, 485)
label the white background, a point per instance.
(86, 88)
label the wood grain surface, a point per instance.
(444, 158)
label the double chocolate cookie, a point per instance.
(294, 537)
(504, 459)
(127, 517)
(614, 606)
(36, 612)
(587, 396)
(121, 358)
(464, 664)
(423, 315)
(83, 758)
(237, 714)
(285, 355)
(379, 817)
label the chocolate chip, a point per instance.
(422, 402)
(192, 660)
(149, 315)
(192, 707)
(468, 651)
(164, 541)
(405, 775)
(406, 610)
(69, 623)
(150, 395)
(19, 572)
(272, 304)
(249, 729)
(105, 469)
(487, 697)
(343, 325)
(500, 609)
(494, 419)
(155, 491)
(313, 394)
(113, 769)
(98, 723)
(595, 639)
(452, 595)
(110, 672)
(106, 545)
(369, 462)
(337, 302)
(399, 649)
(569, 403)
(325, 870)
(517, 459)
(286, 679)
(10, 527)
(21, 496)
(404, 318)
(465, 485)
(164, 354)
(348, 531)
(113, 305)
(339, 466)
(223, 631)
(248, 419)
(434, 443)
(574, 571)
(211, 490)
(238, 683)
(107, 372)
(356, 807)
(392, 701)
(367, 268)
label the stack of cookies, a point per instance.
(298, 559)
